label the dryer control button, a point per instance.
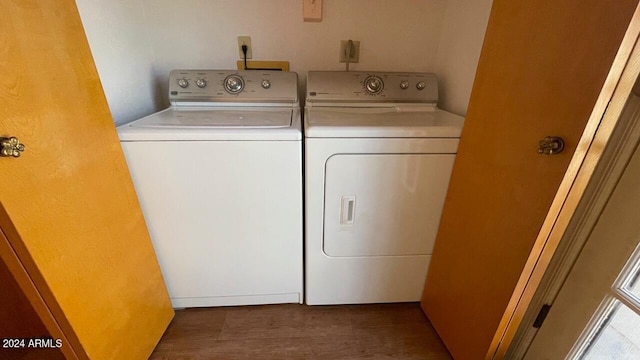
(183, 83)
(266, 84)
(421, 85)
(404, 85)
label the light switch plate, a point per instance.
(312, 10)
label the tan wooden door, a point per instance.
(72, 216)
(542, 67)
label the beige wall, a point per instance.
(120, 46)
(136, 43)
(465, 22)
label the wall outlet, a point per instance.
(354, 56)
(244, 40)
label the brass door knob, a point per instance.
(11, 147)
(551, 145)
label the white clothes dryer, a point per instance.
(378, 158)
(219, 178)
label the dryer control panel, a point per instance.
(234, 86)
(371, 87)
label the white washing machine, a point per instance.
(378, 158)
(219, 178)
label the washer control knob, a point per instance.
(201, 83)
(421, 85)
(183, 83)
(404, 85)
(233, 84)
(266, 83)
(373, 85)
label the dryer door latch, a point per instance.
(347, 212)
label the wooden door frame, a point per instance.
(575, 203)
(35, 289)
(625, 138)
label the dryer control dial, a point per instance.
(373, 85)
(183, 83)
(201, 83)
(233, 84)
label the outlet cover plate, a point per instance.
(355, 52)
(244, 40)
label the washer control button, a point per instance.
(201, 83)
(266, 83)
(373, 85)
(183, 83)
(421, 85)
(404, 85)
(233, 84)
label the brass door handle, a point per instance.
(11, 147)
(551, 145)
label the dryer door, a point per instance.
(384, 204)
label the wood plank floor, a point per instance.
(291, 331)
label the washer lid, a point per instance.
(208, 117)
(210, 123)
(342, 122)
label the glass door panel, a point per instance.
(614, 331)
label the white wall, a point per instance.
(465, 22)
(393, 35)
(136, 43)
(119, 42)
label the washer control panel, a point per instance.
(194, 86)
(362, 86)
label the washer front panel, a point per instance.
(225, 218)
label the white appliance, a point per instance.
(378, 158)
(219, 178)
